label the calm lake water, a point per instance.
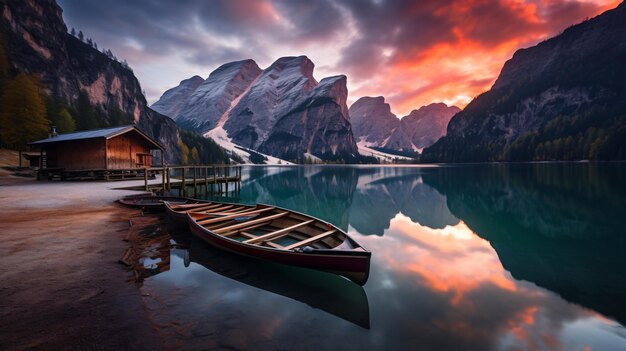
(473, 257)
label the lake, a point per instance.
(471, 257)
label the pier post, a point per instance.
(226, 176)
(206, 181)
(182, 185)
(169, 178)
(195, 181)
(145, 178)
(163, 179)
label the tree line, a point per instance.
(107, 52)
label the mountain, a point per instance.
(374, 125)
(205, 107)
(372, 120)
(281, 111)
(563, 99)
(173, 99)
(422, 127)
(37, 43)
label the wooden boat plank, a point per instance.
(278, 233)
(311, 240)
(198, 205)
(262, 224)
(246, 224)
(232, 216)
(247, 235)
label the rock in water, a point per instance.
(372, 120)
(172, 101)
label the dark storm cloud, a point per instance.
(204, 32)
(403, 49)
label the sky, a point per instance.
(411, 52)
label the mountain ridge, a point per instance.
(562, 99)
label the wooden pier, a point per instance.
(213, 179)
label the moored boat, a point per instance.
(177, 212)
(285, 236)
(153, 202)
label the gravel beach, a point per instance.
(62, 286)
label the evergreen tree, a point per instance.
(95, 45)
(59, 115)
(90, 42)
(86, 116)
(23, 117)
(184, 152)
(73, 32)
(65, 122)
(195, 157)
(81, 36)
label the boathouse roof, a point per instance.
(106, 133)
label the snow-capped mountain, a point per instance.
(281, 111)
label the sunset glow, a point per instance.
(411, 52)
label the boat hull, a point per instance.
(153, 203)
(352, 264)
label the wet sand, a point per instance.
(61, 284)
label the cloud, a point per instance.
(416, 53)
(413, 52)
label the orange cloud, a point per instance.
(463, 56)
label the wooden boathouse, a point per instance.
(97, 154)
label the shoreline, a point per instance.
(62, 285)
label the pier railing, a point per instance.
(211, 178)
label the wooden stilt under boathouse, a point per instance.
(106, 154)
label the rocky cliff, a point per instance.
(280, 111)
(373, 124)
(38, 43)
(172, 101)
(372, 120)
(563, 99)
(422, 127)
(207, 105)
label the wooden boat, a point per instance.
(285, 236)
(177, 212)
(152, 202)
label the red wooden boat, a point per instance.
(285, 236)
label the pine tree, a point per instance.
(90, 42)
(81, 36)
(184, 152)
(195, 156)
(65, 123)
(73, 32)
(23, 117)
(86, 116)
(95, 45)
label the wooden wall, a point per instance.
(77, 154)
(123, 150)
(128, 150)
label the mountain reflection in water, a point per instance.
(473, 257)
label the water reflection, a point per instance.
(559, 226)
(472, 257)
(325, 291)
